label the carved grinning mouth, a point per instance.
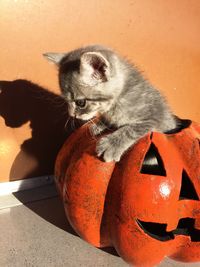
(158, 230)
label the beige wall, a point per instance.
(161, 37)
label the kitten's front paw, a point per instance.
(107, 148)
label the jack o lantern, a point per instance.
(147, 205)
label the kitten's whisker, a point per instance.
(91, 132)
(73, 124)
(105, 125)
(58, 100)
(66, 123)
(59, 104)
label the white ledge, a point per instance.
(21, 185)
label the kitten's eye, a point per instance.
(81, 103)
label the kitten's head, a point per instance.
(89, 79)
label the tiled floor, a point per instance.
(36, 234)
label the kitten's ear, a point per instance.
(54, 57)
(94, 67)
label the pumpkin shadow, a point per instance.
(110, 250)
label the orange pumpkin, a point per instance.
(82, 180)
(147, 206)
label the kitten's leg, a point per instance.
(112, 146)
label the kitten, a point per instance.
(95, 81)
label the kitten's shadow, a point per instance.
(22, 101)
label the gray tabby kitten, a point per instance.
(95, 81)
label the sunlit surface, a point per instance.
(165, 190)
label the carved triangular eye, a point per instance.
(153, 163)
(187, 188)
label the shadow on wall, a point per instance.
(22, 101)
